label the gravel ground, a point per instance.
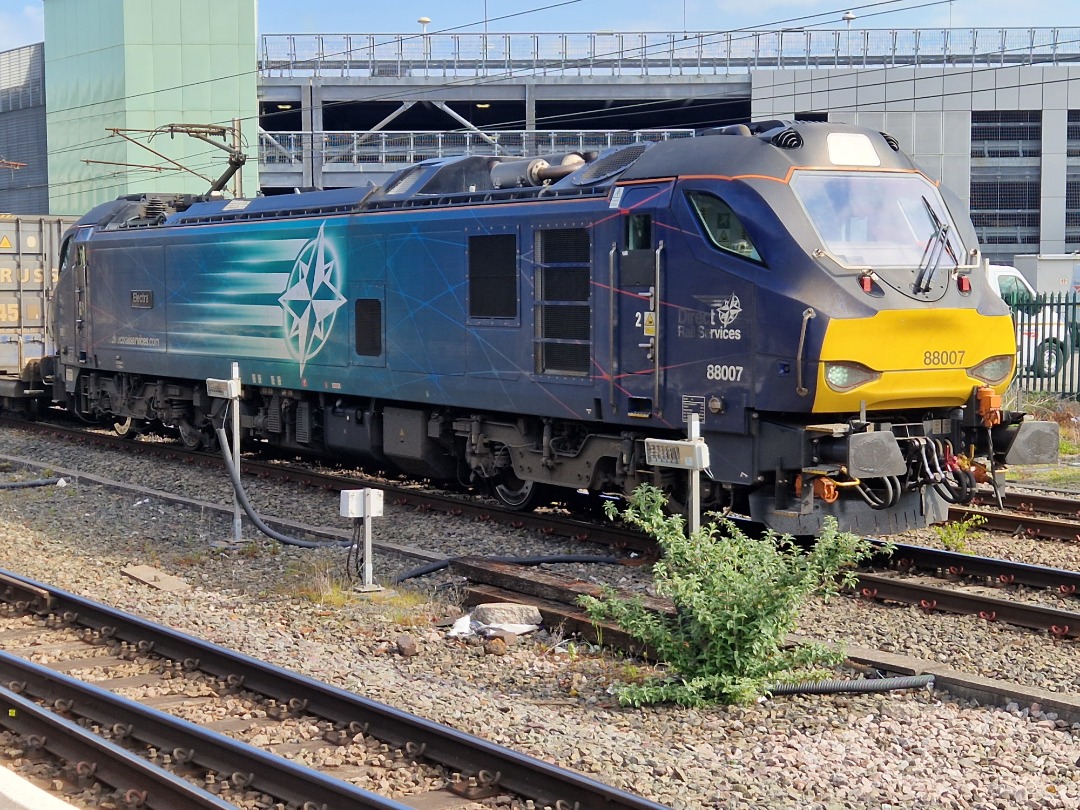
(547, 697)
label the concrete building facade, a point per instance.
(116, 70)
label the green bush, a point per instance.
(736, 600)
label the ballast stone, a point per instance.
(499, 613)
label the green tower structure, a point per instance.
(118, 70)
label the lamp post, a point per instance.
(848, 17)
(424, 21)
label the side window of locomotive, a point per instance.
(639, 232)
(722, 227)
(638, 267)
(493, 276)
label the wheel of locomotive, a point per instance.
(191, 437)
(521, 496)
(127, 427)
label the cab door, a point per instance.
(637, 267)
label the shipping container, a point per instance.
(29, 268)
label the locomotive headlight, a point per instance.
(846, 376)
(994, 370)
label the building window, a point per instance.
(1006, 184)
(1072, 184)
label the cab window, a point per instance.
(722, 226)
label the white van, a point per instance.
(1042, 336)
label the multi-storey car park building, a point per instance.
(993, 113)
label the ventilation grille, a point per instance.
(788, 139)
(563, 313)
(405, 183)
(612, 164)
(562, 246)
(369, 327)
(891, 141)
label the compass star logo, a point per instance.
(311, 299)
(726, 309)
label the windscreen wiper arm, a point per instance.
(938, 244)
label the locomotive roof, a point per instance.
(769, 149)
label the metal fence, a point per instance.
(612, 53)
(363, 148)
(1048, 343)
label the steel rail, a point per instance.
(1027, 501)
(1051, 528)
(541, 781)
(92, 756)
(1006, 572)
(251, 767)
(1059, 623)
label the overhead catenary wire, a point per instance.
(468, 81)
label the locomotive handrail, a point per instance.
(807, 316)
(611, 325)
(657, 404)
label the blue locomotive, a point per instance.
(525, 324)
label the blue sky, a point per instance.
(21, 20)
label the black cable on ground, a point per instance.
(862, 685)
(242, 498)
(37, 482)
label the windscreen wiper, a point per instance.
(939, 244)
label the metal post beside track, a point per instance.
(230, 390)
(691, 454)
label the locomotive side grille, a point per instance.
(562, 246)
(565, 358)
(369, 327)
(563, 314)
(561, 322)
(565, 284)
(493, 276)
(273, 415)
(303, 422)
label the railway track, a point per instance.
(175, 675)
(544, 521)
(1034, 514)
(1023, 512)
(972, 579)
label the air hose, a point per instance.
(241, 497)
(861, 685)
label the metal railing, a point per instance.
(282, 149)
(1048, 344)
(608, 53)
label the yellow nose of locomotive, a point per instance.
(913, 358)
